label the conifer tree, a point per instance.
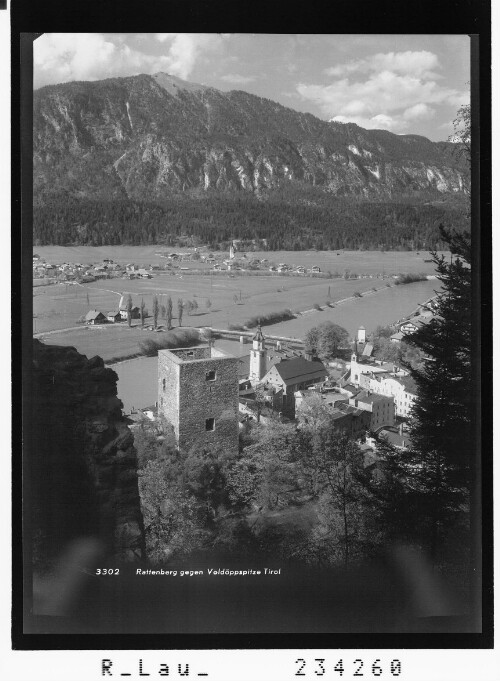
(180, 310)
(168, 317)
(156, 309)
(143, 312)
(129, 310)
(425, 497)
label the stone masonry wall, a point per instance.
(168, 390)
(201, 399)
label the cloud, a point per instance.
(378, 122)
(420, 64)
(418, 112)
(185, 48)
(389, 91)
(236, 78)
(62, 57)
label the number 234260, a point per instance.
(321, 667)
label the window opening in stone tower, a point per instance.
(210, 376)
(209, 424)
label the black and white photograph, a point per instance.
(253, 398)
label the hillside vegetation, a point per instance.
(151, 159)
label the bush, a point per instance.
(236, 327)
(270, 318)
(357, 294)
(317, 306)
(178, 338)
(410, 278)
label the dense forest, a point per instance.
(322, 222)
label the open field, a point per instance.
(383, 307)
(234, 298)
(60, 306)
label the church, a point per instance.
(284, 378)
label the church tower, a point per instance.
(354, 365)
(257, 357)
(231, 252)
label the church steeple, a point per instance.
(257, 356)
(354, 364)
(259, 337)
(354, 352)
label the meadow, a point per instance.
(234, 299)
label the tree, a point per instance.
(170, 514)
(194, 306)
(163, 312)
(143, 312)
(168, 315)
(208, 304)
(235, 298)
(462, 132)
(156, 310)
(324, 340)
(188, 307)
(426, 494)
(336, 473)
(129, 309)
(180, 310)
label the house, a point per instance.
(135, 312)
(402, 389)
(381, 408)
(315, 269)
(361, 418)
(143, 273)
(113, 317)
(94, 317)
(292, 375)
(396, 439)
(415, 323)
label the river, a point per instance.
(137, 378)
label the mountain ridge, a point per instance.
(158, 139)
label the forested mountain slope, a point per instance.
(148, 158)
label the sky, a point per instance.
(407, 84)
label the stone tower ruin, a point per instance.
(198, 396)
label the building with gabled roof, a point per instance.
(292, 375)
(402, 389)
(94, 317)
(381, 408)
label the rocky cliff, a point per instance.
(146, 137)
(81, 459)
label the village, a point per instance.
(208, 396)
(199, 260)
